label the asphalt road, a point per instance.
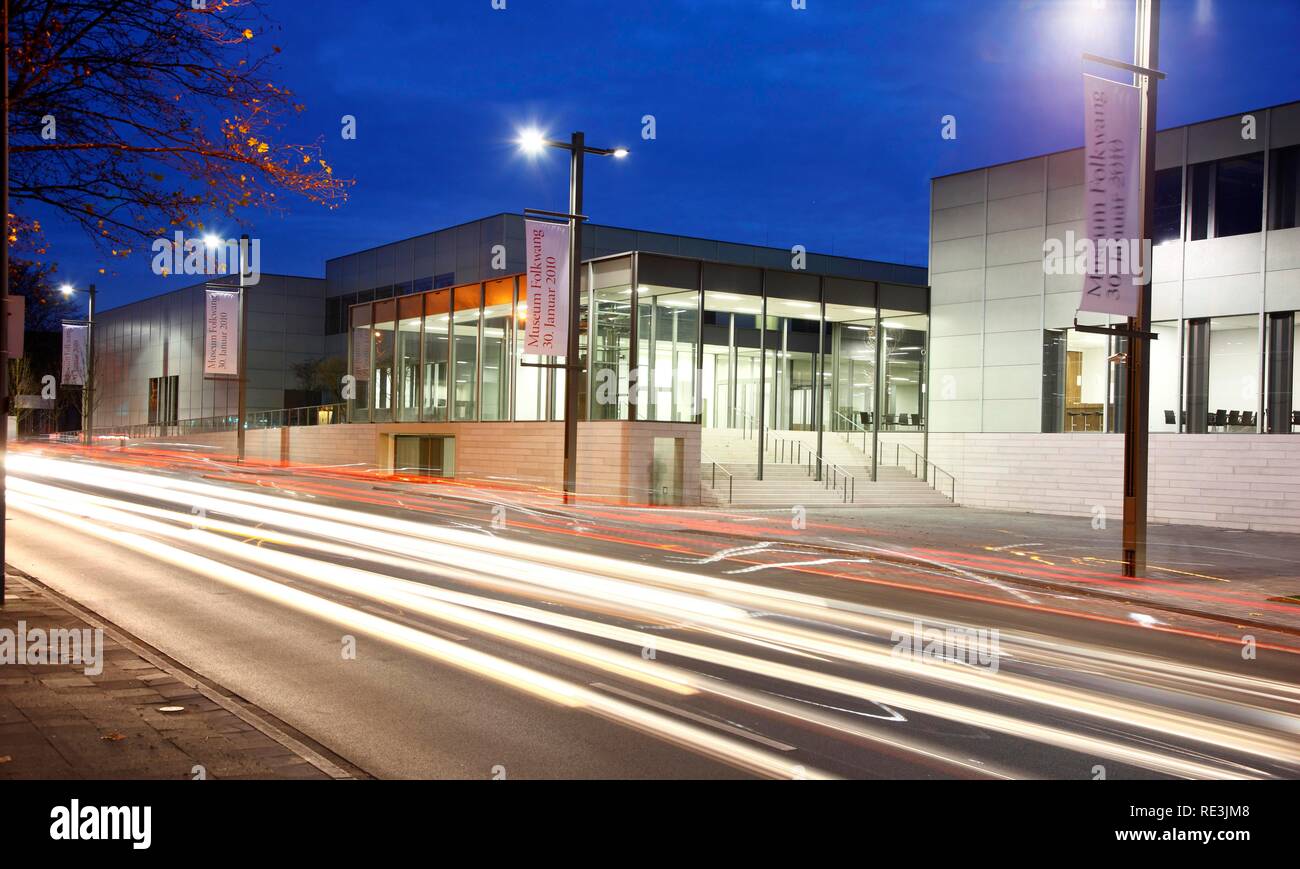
(499, 633)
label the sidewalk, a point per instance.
(59, 722)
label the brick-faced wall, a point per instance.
(1244, 481)
(615, 459)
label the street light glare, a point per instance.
(620, 153)
(66, 289)
(532, 140)
(211, 240)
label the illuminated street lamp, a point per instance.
(533, 141)
(88, 388)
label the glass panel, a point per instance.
(1234, 373)
(903, 398)
(381, 397)
(1164, 377)
(611, 356)
(852, 370)
(1085, 382)
(1169, 205)
(408, 359)
(436, 324)
(729, 329)
(1238, 195)
(792, 354)
(465, 321)
(1284, 197)
(530, 383)
(1199, 195)
(667, 329)
(498, 305)
(359, 353)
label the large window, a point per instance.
(381, 404)
(611, 345)
(464, 369)
(498, 308)
(359, 405)
(1227, 196)
(1169, 206)
(1284, 194)
(1164, 378)
(1076, 380)
(1222, 374)
(903, 384)
(668, 306)
(852, 369)
(408, 358)
(436, 325)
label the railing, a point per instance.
(922, 468)
(748, 423)
(321, 414)
(854, 427)
(713, 477)
(830, 474)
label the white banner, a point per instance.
(221, 351)
(547, 331)
(1112, 208)
(74, 354)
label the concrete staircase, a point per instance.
(729, 474)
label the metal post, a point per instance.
(875, 402)
(88, 394)
(577, 150)
(4, 293)
(819, 367)
(761, 423)
(243, 348)
(1138, 397)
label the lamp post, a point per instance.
(1137, 331)
(533, 142)
(215, 241)
(88, 389)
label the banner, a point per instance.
(75, 337)
(221, 353)
(1112, 208)
(547, 330)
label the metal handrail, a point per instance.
(854, 425)
(750, 423)
(318, 414)
(713, 478)
(816, 464)
(920, 463)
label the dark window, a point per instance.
(405, 289)
(164, 399)
(334, 315)
(1169, 206)
(446, 279)
(1238, 195)
(365, 296)
(1198, 195)
(423, 285)
(383, 293)
(1284, 196)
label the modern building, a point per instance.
(1024, 406)
(1006, 356)
(149, 355)
(679, 336)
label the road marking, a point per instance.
(699, 719)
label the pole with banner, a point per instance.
(1119, 195)
(75, 342)
(547, 252)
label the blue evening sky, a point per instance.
(818, 127)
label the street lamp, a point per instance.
(533, 141)
(88, 388)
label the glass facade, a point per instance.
(663, 339)
(1209, 375)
